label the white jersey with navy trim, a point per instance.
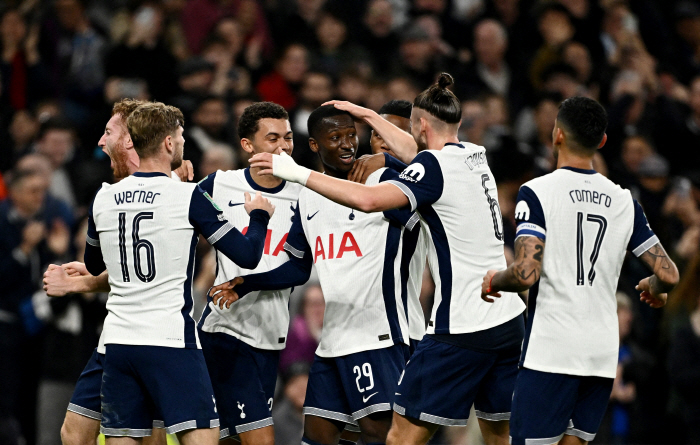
(144, 227)
(588, 223)
(455, 194)
(414, 256)
(357, 257)
(261, 318)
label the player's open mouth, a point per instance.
(347, 158)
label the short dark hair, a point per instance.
(55, 123)
(439, 101)
(248, 124)
(585, 120)
(401, 108)
(320, 113)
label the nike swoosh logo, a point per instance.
(231, 204)
(308, 218)
(365, 399)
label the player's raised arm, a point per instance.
(357, 196)
(400, 142)
(209, 220)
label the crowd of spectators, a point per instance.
(63, 63)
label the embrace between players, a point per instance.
(416, 198)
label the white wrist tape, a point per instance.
(283, 166)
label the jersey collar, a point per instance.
(580, 170)
(149, 174)
(455, 144)
(258, 187)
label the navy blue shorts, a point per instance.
(140, 381)
(86, 396)
(442, 381)
(351, 387)
(413, 344)
(243, 378)
(547, 405)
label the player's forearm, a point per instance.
(88, 283)
(94, 263)
(294, 272)
(666, 275)
(516, 278)
(396, 139)
(658, 286)
(246, 250)
(357, 196)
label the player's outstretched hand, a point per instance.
(647, 296)
(259, 202)
(223, 294)
(281, 165)
(357, 111)
(365, 166)
(486, 291)
(56, 281)
(185, 172)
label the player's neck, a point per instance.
(568, 159)
(266, 181)
(155, 165)
(438, 141)
(334, 173)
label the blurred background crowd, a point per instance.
(63, 63)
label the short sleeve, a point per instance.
(422, 181)
(393, 163)
(296, 243)
(207, 217)
(643, 238)
(207, 184)
(529, 215)
(403, 216)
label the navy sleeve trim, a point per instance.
(406, 191)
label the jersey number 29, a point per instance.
(139, 244)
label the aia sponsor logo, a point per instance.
(326, 249)
(279, 247)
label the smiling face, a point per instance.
(336, 142)
(273, 136)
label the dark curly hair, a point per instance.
(248, 123)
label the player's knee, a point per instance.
(70, 435)
(393, 437)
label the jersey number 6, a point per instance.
(138, 245)
(495, 209)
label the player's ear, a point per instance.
(559, 136)
(603, 141)
(129, 144)
(313, 145)
(247, 145)
(423, 124)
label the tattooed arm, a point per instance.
(654, 288)
(521, 274)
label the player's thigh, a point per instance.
(199, 436)
(157, 437)
(495, 394)
(591, 403)
(572, 440)
(407, 431)
(322, 430)
(259, 436)
(542, 406)
(243, 379)
(375, 427)
(440, 383)
(495, 432)
(79, 430)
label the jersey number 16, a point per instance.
(139, 245)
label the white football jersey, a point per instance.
(358, 260)
(261, 318)
(416, 266)
(147, 227)
(455, 194)
(588, 223)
